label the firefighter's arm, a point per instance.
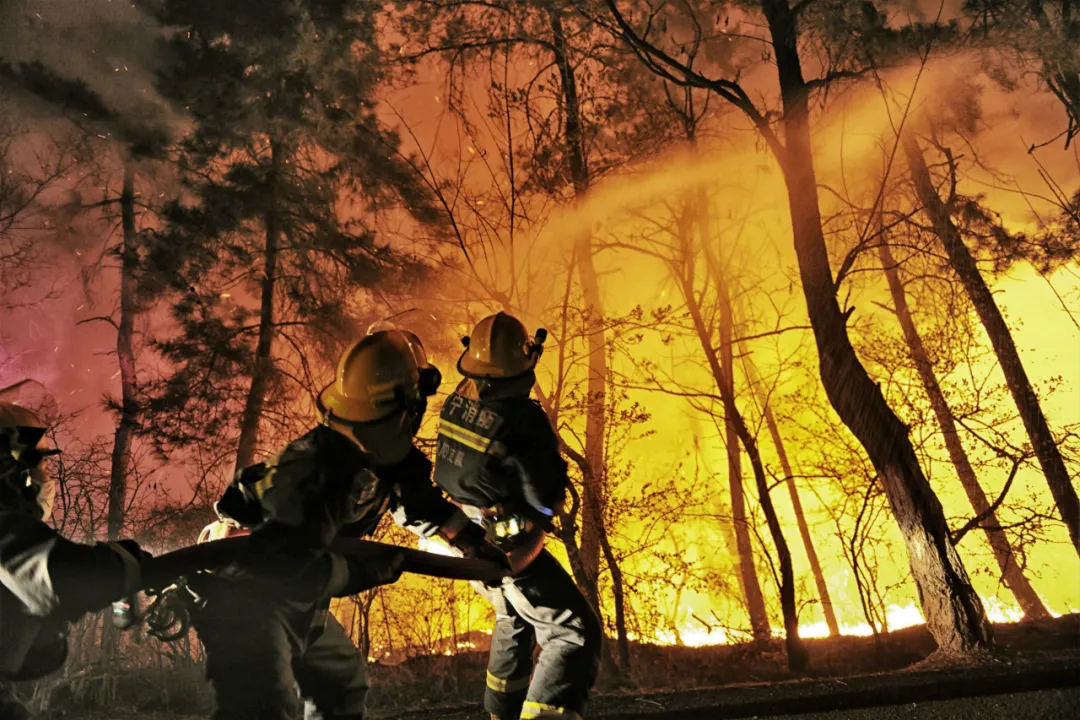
(50, 574)
(425, 511)
(419, 506)
(283, 497)
(532, 453)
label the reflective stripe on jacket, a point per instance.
(499, 451)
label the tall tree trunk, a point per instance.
(1010, 570)
(797, 657)
(592, 491)
(567, 521)
(125, 427)
(618, 590)
(617, 587)
(954, 613)
(744, 548)
(1027, 402)
(796, 501)
(569, 518)
(755, 601)
(724, 379)
(589, 582)
(264, 364)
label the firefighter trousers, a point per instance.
(259, 651)
(541, 605)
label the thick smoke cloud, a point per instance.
(95, 60)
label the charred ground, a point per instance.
(846, 673)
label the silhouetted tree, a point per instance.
(954, 613)
(273, 244)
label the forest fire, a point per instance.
(679, 324)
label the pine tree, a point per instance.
(1033, 33)
(271, 247)
(964, 265)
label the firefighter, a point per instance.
(46, 581)
(498, 457)
(264, 637)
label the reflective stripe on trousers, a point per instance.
(540, 710)
(541, 606)
(508, 686)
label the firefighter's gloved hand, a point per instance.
(130, 560)
(365, 573)
(152, 576)
(473, 544)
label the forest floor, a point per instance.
(1037, 668)
(1046, 692)
(1035, 673)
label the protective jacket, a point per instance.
(321, 486)
(497, 448)
(32, 637)
(498, 456)
(47, 581)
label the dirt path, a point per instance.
(1044, 689)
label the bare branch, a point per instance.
(976, 521)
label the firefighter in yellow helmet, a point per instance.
(46, 581)
(498, 457)
(262, 639)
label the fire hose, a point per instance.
(166, 618)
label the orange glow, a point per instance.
(748, 199)
(667, 489)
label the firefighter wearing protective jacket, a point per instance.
(498, 457)
(46, 581)
(263, 637)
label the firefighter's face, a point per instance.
(35, 475)
(46, 490)
(387, 441)
(42, 482)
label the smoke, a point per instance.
(95, 60)
(94, 64)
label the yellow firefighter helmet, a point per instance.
(500, 347)
(430, 377)
(377, 376)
